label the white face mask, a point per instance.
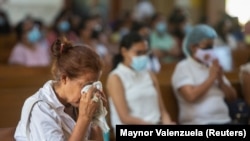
(206, 56)
(139, 63)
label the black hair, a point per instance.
(83, 24)
(63, 14)
(127, 41)
(137, 26)
(177, 16)
(19, 30)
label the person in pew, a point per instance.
(31, 49)
(5, 26)
(134, 94)
(198, 81)
(244, 76)
(58, 111)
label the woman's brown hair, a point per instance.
(73, 60)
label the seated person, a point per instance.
(198, 81)
(30, 50)
(134, 94)
(58, 111)
(163, 44)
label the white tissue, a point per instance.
(99, 117)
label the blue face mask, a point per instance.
(63, 26)
(139, 63)
(161, 27)
(34, 35)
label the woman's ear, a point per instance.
(63, 79)
(123, 51)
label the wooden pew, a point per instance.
(164, 78)
(7, 42)
(16, 84)
(7, 134)
(240, 57)
(22, 77)
(170, 101)
(11, 102)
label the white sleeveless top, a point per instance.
(140, 93)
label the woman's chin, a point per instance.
(75, 104)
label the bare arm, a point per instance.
(246, 86)
(192, 93)
(165, 117)
(117, 93)
(229, 91)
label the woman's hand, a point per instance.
(167, 121)
(87, 106)
(215, 70)
(103, 97)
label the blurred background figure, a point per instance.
(163, 45)
(226, 37)
(62, 27)
(5, 27)
(178, 26)
(74, 22)
(32, 49)
(244, 76)
(243, 106)
(89, 35)
(237, 31)
(199, 82)
(143, 10)
(97, 7)
(247, 34)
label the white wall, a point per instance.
(43, 9)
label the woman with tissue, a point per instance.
(63, 109)
(199, 83)
(134, 94)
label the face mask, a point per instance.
(34, 35)
(139, 63)
(247, 39)
(161, 27)
(64, 26)
(206, 56)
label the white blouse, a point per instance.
(211, 107)
(140, 93)
(47, 121)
